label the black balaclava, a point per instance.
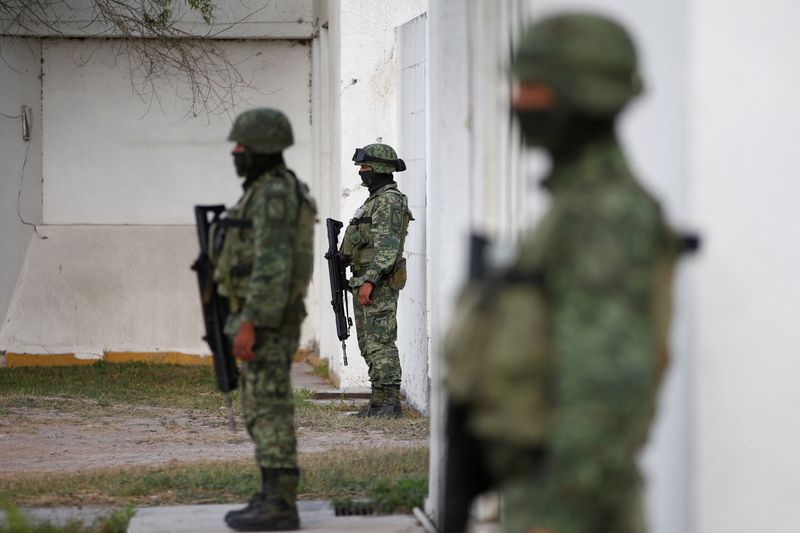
(252, 166)
(373, 181)
(577, 132)
(561, 132)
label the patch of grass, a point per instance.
(395, 478)
(162, 385)
(17, 522)
(322, 370)
(303, 399)
(107, 385)
(335, 416)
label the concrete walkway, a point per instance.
(303, 377)
(315, 516)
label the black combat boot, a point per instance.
(390, 408)
(276, 510)
(374, 405)
(254, 500)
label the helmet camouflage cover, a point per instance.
(380, 151)
(262, 130)
(589, 60)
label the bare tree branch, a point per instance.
(149, 36)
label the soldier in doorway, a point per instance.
(264, 269)
(553, 364)
(373, 245)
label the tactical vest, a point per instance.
(359, 242)
(234, 261)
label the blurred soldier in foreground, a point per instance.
(264, 269)
(373, 244)
(555, 362)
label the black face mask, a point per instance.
(366, 177)
(243, 161)
(544, 128)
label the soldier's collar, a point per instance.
(391, 185)
(600, 161)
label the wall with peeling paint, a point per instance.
(141, 157)
(114, 176)
(20, 160)
(93, 289)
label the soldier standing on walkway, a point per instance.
(264, 269)
(373, 244)
(554, 364)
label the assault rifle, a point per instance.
(215, 307)
(336, 272)
(465, 475)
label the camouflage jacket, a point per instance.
(267, 255)
(375, 237)
(605, 255)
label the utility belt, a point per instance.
(396, 279)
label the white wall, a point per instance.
(745, 124)
(113, 166)
(412, 319)
(111, 157)
(21, 161)
(88, 290)
(449, 109)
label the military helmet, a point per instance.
(589, 60)
(262, 130)
(381, 157)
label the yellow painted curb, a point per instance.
(173, 358)
(68, 359)
(61, 359)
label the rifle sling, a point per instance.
(235, 223)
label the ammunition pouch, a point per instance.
(397, 279)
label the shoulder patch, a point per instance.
(396, 218)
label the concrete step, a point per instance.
(317, 516)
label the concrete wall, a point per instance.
(142, 160)
(114, 165)
(364, 98)
(91, 290)
(21, 161)
(745, 129)
(412, 320)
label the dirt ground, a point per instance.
(74, 436)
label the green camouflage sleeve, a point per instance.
(274, 210)
(599, 280)
(387, 226)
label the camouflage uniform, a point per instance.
(374, 242)
(264, 269)
(560, 419)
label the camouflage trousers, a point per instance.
(522, 475)
(267, 403)
(376, 327)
